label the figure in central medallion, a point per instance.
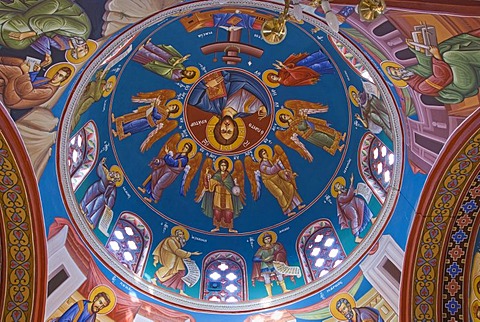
(223, 108)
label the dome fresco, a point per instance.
(237, 160)
(194, 134)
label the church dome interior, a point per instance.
(256, 161)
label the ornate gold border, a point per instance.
(422, 289)
(24, 258)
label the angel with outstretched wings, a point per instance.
(277, 175)
(157, 115)
(221, 192)
(295, 118)
(167, 166)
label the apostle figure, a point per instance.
(449, 73)
(221, 193)
(43, 24)
(351, 210)
(357, 314)
(373, 113)
(102, 300)
(277, 176)
(170, 254)
(167, 166)
(301, 69)
(94, 91)
(22, 90)
(164, 60)
(100, 196)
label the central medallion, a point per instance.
(229, 111)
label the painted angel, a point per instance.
(277, 175)
(221, 192)
(167, 166)
(156, 116)
(314, 130)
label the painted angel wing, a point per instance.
(290, 139)
(300, 107)
(170, 145)
(163, 94)
(192, 166)
(162, 129)
(282, 156)
(207, 167)
(239, 175)
(252, 169)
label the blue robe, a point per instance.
(78, 312)
(234, 81)
(100, 194)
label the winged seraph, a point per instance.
(303, 108)
(157, 99)
(281, 156)
(162, 129)
(189, 172)
(252, 168)
(207, 168)
(290, 138)
(239, 179)
(170, 145)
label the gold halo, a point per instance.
(333, 305)
(352, 89)
(111, 295)
(112, 79)
(55, 68)
(186, 234)
(182, 143)
(277, 117)
(473, 309)
(180, 108)
(260, 237)
(230, 163)
(396, 82)
(267, 148)
(92, 46)
(332, 188)
(116, 168)
(242, 133)
(265, 79)
(476, 281)
(194, 79)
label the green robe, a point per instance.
(462, 54)
(314, 136)
(47, 17)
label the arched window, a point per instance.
(319, 249)
(130, 242)
(376, 162)
(82, 153)
(224, 276)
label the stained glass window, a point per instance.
(224, 278)
(376, 162)
(320, 250)
(82, 153)
(129, 242)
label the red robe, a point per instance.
(295, 75)
(441, 77)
